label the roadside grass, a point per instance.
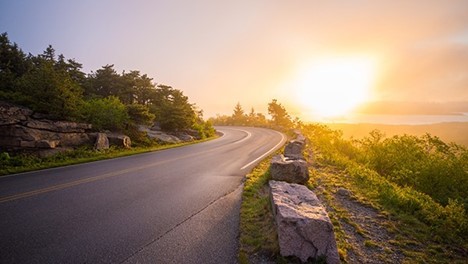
(257, 230)
(24, 163)
(258, 240)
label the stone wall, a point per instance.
(304, 228)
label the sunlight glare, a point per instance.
(334, 86)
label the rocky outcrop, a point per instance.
(289, 170)
(22, 130)
(304, 228)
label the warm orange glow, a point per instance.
(334, 86)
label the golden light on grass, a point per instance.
(334, 86)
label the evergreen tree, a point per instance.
(13, 64)
(238, 116)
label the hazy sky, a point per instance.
(223, 52)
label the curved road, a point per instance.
(174, 206)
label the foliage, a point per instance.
(172, 109)
(140, 114)
(48, 90)
(43, 83)
(106, 114)
(425, 163)
(13, 63)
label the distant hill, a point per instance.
(449, 132)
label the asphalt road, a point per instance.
(174, 206)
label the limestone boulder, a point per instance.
(101, 142)
(119, 140)
(289, 170)
(294, 149)
(304, 228)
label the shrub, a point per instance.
(106, 113)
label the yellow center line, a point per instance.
(95, 178)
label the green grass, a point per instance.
(257, 229)
(25, 163)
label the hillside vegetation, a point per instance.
(55, 86)
(418, 187)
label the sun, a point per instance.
(334, 86)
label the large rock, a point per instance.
(119, 140)
(293, 149)
(101, 142)
(304, 228)
(289, 170)
(158, 135)
(299, 136)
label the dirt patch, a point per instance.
(362, 230)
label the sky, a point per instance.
(220, 53)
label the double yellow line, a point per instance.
(74, 183)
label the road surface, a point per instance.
(174, 206)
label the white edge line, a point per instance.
(266, 153)
(247, 137)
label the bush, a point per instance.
(425, 163)
(106, 113)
